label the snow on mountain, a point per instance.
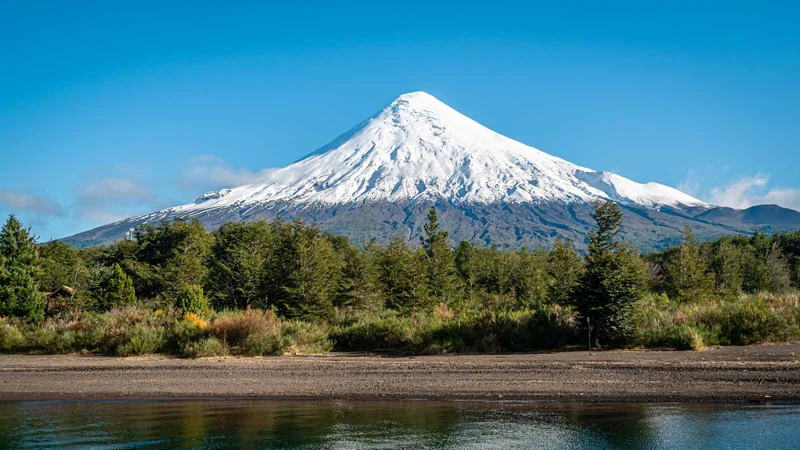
(418, 148)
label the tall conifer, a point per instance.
(19, 292)
(614, 279)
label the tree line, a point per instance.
(301, 272)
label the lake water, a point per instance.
(218, 424)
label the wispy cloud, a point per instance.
(744, 192)
(23, 201)
(114, 198)
(115, 190)
(211, 172)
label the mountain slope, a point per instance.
(375, 179)
(418, 148)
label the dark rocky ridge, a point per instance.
(508, 225)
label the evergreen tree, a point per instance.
(613, 281)
(778, 273)
(530, 279)
(19, 292)
(565, 268)
(754, 270)
(147, 278)
(498, 275)
(192, 300)
(727, 265)
(58, 262)
(284, 259)
(467, 264)
(62, 265)
(173, 255)
(186, 265)
(439, 262)
(237, 265)
(686, 275)
(119, 290)
(399, 275)
(356, 284)
(312, 282)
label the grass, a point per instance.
(139, 330)
(749, 319)
(546, 327)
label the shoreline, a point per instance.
(750, 374)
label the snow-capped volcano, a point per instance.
(379, 178)
(418, 148)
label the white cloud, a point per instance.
(745, 192)
(691, 184)
(23, 201)
(115, 190)
(211, 172)
(788, 198)
(104, 216)
(114, 198)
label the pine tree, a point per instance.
(19, 292)
(613, 281)
(565, 268)
(686, 276)
(119, 290)
(440, 263)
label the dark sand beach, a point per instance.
(761, 373)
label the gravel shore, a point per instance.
(728, 374)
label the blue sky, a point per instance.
(109, 110)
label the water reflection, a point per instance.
(217, 424)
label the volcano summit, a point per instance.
(379, 178)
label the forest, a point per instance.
(267, 288)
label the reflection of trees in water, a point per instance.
(9, 426)
(282, 424)
(613, 426)
(327, 424)
(220, 424)
(293, 424)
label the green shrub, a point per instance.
(51, 338)
(258, 344)
(545, 327)
(305, 338)
(192, 300)
(750, 321)
(252, 332)
(741, 321)
(142, 340)
(679, 337)
(11, 339)
(90, 332)
(206, 347)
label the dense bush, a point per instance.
(206, 347)
(543, 328)
(744, 320)
(137, 330)
(270, 288)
